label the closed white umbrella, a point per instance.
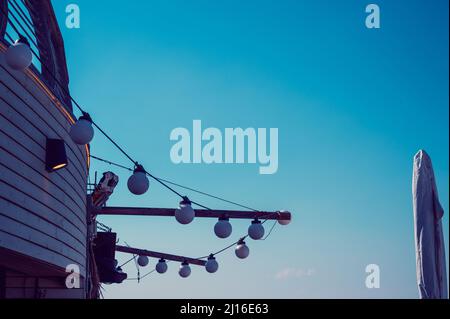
(429, 239)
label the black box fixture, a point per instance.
(104, 253)
(55, 155)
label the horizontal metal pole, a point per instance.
(154, 254)
(138, 211)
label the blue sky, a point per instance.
(352, 106)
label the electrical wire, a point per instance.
(203, 193)
(23, 16)
(163, 182)
(177, 185)
(21, 26)
(159, 180)
(110, 163)
(271, 229)
(83, 112)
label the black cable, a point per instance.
(209, 195)
(93, 122)
(167, 186)
(178, 185)
(9, 37)
(241, 239)
(162, 182)
(27, 17)
(132, 258)
(142, 277)
(12, 25)
(23, 16)
(105, 227)
(271, 229)
(150, 272)
(214, 254)
(65, 90)
(110, 163)
(21, 26)
(107, 136)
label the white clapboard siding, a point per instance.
(30, 191)
(46, 197)
(12, 210)
(66, 197)
(21, 286)
(33, 249)
(16, 134)
(42, 214)
(46, 125)
(29, 233)
(38, 101)
(10, 145)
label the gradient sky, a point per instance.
(352, 106)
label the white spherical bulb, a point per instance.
(82, 132)
(185, 214)
(138, 183)
(184, 271)
(242, 251)
(223, 228)
(284, 221)
(19, 56)
(256, 230)
(142, 261)
(211, 265)
(161, 267)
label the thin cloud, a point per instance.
(287, 273)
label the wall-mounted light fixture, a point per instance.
(55, 155)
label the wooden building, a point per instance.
(43, 222)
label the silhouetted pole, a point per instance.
(202, 213)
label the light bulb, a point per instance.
(19, 55)
(142, 261)
(241, 250)
(82, 131)
(223, 228)
(185, 213)
(256, 230)
(211, 265)
(285, 221)
(185, 270)
(161, 266)
(138, 182)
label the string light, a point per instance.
(102, 131)
(176, 184)
(142, 261)
(82, 132)
(284, 222)
(22, 15)
(241, 250)
(19, 56)
(223, 227)
(211, 265)
(185, 212)
(256, 230)
(237, 244)
(185, 270)
(161, 266)
(138, 182)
